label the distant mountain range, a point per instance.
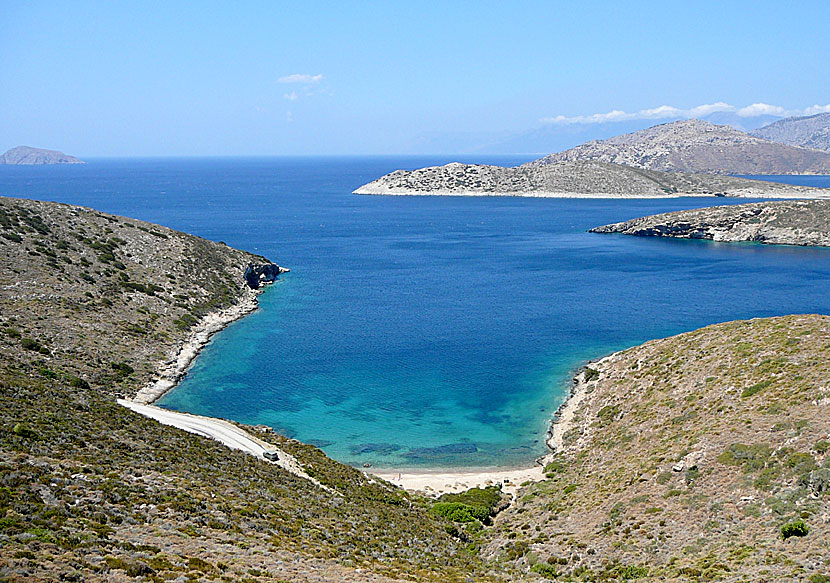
(698, 146)
(24, 155)
(812, 131)
(555, 137)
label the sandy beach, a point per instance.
(429, 482)
(443, 481)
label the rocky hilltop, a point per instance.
(698, 146)
(781, 223)
(90, 305)
(24, 155)
(811, 131)
(574, 179)
(701, 457)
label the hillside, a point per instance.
(699, 457)
(697, 146)
(812, 131)
(780, 222)
(26, 156)
(91, 305)
(573, 179)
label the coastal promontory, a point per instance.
(575, 179)
(778, 222)
(92, 306)
(26, 156)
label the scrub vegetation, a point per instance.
(699, 457)
(91, 305)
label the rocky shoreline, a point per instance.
(575, 179)
(172, 371)
(804, 223)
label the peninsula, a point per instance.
(686, 158)
(575, 179)
(780, 222)
(95, 308)
(26, 156)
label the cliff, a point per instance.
(781, 222)
(24, 155)
(812, 131)
(574, 179)
(698, 146)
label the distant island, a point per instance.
(685, 158)
(26, 156)
(810, 131)
(805, 223)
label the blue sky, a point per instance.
(263, 78)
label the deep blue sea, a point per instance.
(426, 331)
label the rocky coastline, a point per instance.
(172, 371)
(575, 179)
(804, 223)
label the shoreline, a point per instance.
(432, 481)
(170, 372)
(440, 481)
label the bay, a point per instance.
(426, 331)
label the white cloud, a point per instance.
(289, 117)
(301, 78)
(670, 112)
(710, 108)
(757, 109)
(814, 109)
(661, 112)
(293, 96)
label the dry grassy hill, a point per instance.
(701, 457)
(89, 491)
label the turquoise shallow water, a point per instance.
(418, 331)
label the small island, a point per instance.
(805, 223)
(26, 156)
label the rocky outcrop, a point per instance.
(697, 146)
(257, 274)
(574, 179)
(811, 131)
(26, 156)
(779, 223)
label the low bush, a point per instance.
(795, 528)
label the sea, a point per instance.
(426, 332)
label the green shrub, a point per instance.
(545, 570)
(749, 457)
(608, 413)
(795, 528)
(30, 344)
(819, 578)
(78, 383)
(487, 498)
(458, 512)
(22, 431)
(631, 572)
(12, 332)
(591, 374)
(756, 388)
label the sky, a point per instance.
(208, 78)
